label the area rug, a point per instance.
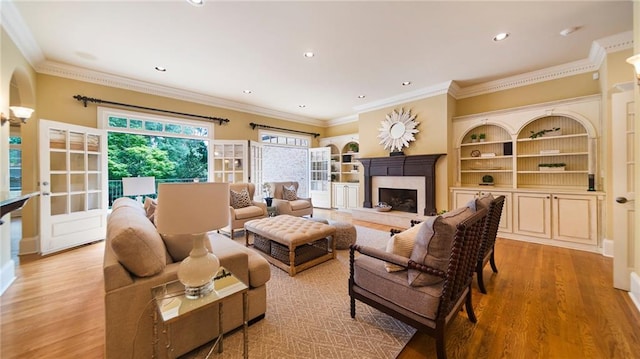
(308, 316)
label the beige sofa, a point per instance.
(295, 207)
(137, 258)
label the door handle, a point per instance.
(46, 193)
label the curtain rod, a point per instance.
(85, 99)
(254, 125)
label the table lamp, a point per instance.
(138, 186)
(193, 209)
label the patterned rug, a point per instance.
(308, 317)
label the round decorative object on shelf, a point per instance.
(382, 207)
(475, 153)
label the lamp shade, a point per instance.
(190, 208)
(137, 186)
(22, 113)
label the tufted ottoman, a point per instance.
(292, 243)
(345, 235)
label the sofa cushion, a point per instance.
(433, 245)
(136, 242)
(289, 193)
(126, 202)
(179, 245)
(248, 212)
(299, 204)
(402, 245)
(240, 199)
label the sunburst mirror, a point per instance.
(397, 130)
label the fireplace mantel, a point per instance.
(418, 165)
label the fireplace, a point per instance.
(400, 199)
(420, 168)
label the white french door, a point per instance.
(623, 134)
(255, 164)
(319, 175)
(73, 185)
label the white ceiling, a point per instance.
(214, 52)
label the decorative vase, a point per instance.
(269, 201)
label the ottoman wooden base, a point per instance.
(291, 252)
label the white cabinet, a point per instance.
(345, 195)
(230, 161)
(570, 220)
(462, 196)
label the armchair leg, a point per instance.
(492, 260)
(353, 307)
(469, 306)
(441, 346)
(479, 270)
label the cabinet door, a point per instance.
(532, 214)
(319, 184)
(575, 218)
(351, 196)
(338, 196)
(461, 198)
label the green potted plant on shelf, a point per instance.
(353, 146)
(555, 131)
(560, 166)
(482, 137)
(474, 137)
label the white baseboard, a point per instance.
(7, 275)
(607, 248)
(29, 245)
(634, 293)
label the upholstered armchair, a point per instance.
(489, 233)
(428, 288)
(242, 207)
(286, 200)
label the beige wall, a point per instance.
(434, 125)
(343, 129)
(12, 63)
(564, 88)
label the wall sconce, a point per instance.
(23, 113)
(635, 61)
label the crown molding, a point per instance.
(13, 23)
(105, 79)
(342, 120)
(438, 89)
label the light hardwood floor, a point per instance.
(546, 302)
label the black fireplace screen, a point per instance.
(405, 200)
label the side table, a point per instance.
(172, 304)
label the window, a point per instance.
(15, 161)
(285, 157)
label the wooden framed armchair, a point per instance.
(489, 233)
(242, 207)
(431, 304)
(286, 200)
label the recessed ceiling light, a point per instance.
(302, 106)
(309, 54)
(361, 96)
(247, 91)
(196, 2)
(160, 68)
(406, 83)
(501, 36)
(570, 30)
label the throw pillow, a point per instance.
(484, 202)
(289, 193)
(433, 245)
(240, 199)
(402, 245)
(150, 205)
